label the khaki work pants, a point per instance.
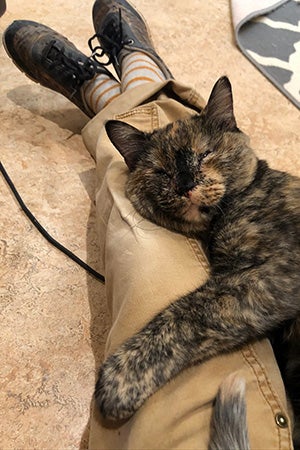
(147, 267)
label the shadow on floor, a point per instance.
(50, 105)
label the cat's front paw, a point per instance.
(121, 388)
(142, 364)
(112, 392)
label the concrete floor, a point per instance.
(53, 315)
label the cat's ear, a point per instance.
(219, 108)
(128, 140)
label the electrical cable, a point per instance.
(44, 232)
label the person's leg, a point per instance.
(124, 37)
(52, 60)
(147, 267)
(138, 68)
(100, 91)
(121, 30)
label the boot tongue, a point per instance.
(116, 34)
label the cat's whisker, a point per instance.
(220, 209)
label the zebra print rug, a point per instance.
(270, 37)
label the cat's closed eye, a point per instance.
(204, 155)
(162, 172)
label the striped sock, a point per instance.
(100, 91)
(139, 68)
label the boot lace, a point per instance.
(110, 47)
(76, 71)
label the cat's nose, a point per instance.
(184, 183)
(187, 188)
(188, 194)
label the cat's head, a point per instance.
(178, 175)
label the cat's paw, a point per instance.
(121, 387)
(112, 392)
(142, 364)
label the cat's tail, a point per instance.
(229, 421)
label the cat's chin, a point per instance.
(195, 214)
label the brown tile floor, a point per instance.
(53, 315)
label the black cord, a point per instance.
(42, 230)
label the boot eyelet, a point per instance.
(130, 42)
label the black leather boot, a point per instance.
(48, 58)
(121, 30)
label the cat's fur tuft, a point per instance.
(200, 177)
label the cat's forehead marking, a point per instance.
(200, 144)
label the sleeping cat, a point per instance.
(199, 177)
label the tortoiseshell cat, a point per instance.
(199, 177)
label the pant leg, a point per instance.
(146, 267)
